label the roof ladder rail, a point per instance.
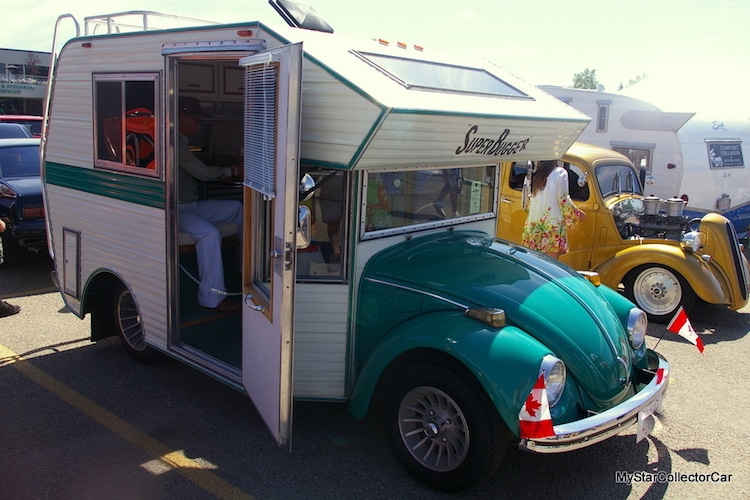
(128, 21)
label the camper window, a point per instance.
(420, 75)
(602, 116)
(399, 201)
(124, 127)
(323, 259)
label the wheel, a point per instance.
(442, 428)
(129, 327)
(659, 291)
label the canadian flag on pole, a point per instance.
(682, 327)
(534, 418)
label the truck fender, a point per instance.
(701, 277)
(504, 361)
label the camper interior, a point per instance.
(218, 84)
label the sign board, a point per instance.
(724, 154)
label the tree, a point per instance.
(586, 79)
(32, 64)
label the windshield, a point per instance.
(19, 161)
(398, 201)
(32, 124)
(617, 178)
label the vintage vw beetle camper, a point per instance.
(662, 258)
(380, 280)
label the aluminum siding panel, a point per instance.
(139, 259)
(320, 341)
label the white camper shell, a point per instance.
(687, 152)
(348, 114)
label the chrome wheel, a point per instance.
(433, 429)
(129, 321)
(659, 291)
(129, 326)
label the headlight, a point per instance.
(7, 192)
(554, 378)
(637, 326)
(691, 241)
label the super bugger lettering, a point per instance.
(490, 146)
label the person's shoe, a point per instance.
(439, 209)
(225, 306)
(8, 309)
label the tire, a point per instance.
(130, 328)
(442, 428)
(659, 291)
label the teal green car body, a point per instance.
(414, 296)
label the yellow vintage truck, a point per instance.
(661, 258)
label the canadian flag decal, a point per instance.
(534, 419)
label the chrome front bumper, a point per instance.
(591, 430)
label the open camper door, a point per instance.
(271, 153)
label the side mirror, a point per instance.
(306, 187)
(304, 227)
(583, 180)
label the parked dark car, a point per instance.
(32, 123)
(13, 131)
(21, 205)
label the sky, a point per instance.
(544, 42)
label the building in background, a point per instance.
(23, 81)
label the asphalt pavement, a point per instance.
(80, 420)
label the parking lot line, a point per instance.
(176, 459)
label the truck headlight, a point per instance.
(637, 326)
(554, 378)
(691, 241)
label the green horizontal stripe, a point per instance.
(131, 188)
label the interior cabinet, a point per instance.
(212, 80)
(199, 78)
(232, 77)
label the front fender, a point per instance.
(699, 274)
(504, 361)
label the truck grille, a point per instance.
(737, 259)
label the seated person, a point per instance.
(196, 216)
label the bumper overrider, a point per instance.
(591, 430)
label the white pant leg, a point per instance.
(218, 210)
(208, 253)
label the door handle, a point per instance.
(249, 303)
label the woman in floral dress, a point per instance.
(551, 211)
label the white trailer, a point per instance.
(694, 154)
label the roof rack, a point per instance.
(128, 21)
